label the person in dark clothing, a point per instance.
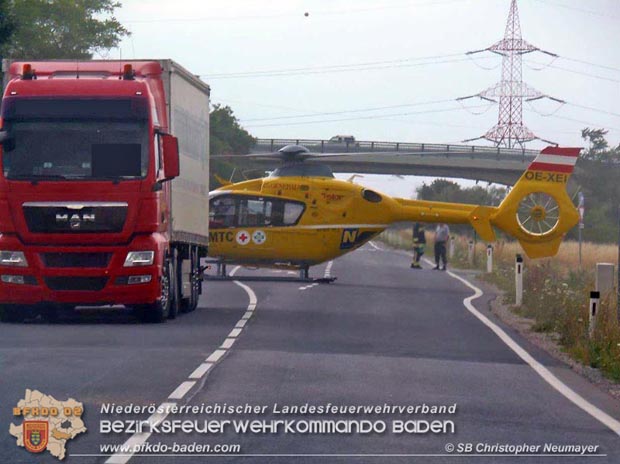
(419, 243)
(442, 235)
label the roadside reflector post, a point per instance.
(470, 252)
(451, 248)
(605, 278)
(595, 300)
(489, 258)
(518, 280)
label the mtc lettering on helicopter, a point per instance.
(221, 236)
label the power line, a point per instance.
(593, 109)
(587, 123)
(332, 69)
(611, 68)
(582, 10)
(379, 116)
(335, 66)
(362, 110)
(595, 76)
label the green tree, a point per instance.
(227, 136)
(597, 176)
(598, 149)
(7, 23)
(63, 29)
(450, 191)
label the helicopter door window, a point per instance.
(292, 213)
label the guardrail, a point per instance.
(325, 146)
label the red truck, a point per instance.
(99, 203)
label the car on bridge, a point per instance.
(342, 139)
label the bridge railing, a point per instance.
(421, 149)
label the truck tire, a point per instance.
(14, 313)
(159, 311)
(191, 303)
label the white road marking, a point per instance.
(541, 370)
(215, 356)
(228, 343)
(234, 333)
(158, 417)
(201, 370)
(139, 438)
(181, 390)
(328, 269)
(372, 244)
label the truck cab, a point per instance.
(86, 198)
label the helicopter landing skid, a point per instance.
(318, 280)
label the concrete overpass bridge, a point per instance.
(498, 165)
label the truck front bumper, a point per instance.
(84, 275)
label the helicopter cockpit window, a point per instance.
(371, 196)
(246, 211)
(222, 212)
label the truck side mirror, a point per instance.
(170, 146)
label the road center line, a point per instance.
(181, 390)
(541, 370)
(197, 375)
(201, 370)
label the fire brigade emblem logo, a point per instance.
(35, 435)
(243, 237)
(47, 424)
(259, 237)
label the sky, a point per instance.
(386, 70)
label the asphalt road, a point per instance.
(381, 334)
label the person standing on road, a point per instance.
(442, 235)
(419, 242)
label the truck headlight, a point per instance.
(139, 258)
(13, 258)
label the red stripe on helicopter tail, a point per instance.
(556, 159)
(536, 166)
(561, 151)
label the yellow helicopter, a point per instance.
(300, 215)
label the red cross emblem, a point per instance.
(243, 237)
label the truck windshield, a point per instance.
(90, 149)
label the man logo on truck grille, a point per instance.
(75, 220)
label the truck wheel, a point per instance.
(159, 311)
(13, 313)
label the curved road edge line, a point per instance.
(194, 383)
(541, 370)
